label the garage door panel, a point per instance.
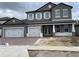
(14, 32)
(34, 31)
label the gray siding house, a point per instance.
(47, 21)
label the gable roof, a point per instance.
(63, 4)
(13, 21)
(44, 7)
(4, 18)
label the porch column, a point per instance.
(53, 28)
(73, 28)
(41, 34)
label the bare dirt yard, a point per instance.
(58, 41)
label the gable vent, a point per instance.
(49, 6)
(13, 20)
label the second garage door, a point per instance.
(34, 31)
(14, 32)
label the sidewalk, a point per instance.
(22, 51)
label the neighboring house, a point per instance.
(2, 20)
(47, 21)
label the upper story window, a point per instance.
(47, 15)
(65, 12)
(57, 13)
(38, 16)
(30, 16)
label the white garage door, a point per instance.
(34, 31)
(14, 33)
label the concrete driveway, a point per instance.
(18, 41)
(13, 51)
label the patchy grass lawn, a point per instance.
(59, 41)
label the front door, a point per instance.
(47, 30)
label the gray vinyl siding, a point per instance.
(61, 7)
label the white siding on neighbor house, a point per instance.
(34, 31)
(13, 32)
(63, 34)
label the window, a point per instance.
(47, 15)
(38, 16)
(57, 13)
(57, 28)
(66, 28)
(65, 12)
(63, 28)
(30, 16)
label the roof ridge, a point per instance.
(64, 4)
(42, 6)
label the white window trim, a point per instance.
(63, 12)
(45, 15)
(36, 16)
(29, 16)
(55, 13)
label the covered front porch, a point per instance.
(58, 30)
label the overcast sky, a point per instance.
(18, 9)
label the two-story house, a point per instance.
(47, 21)
(50, 20)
